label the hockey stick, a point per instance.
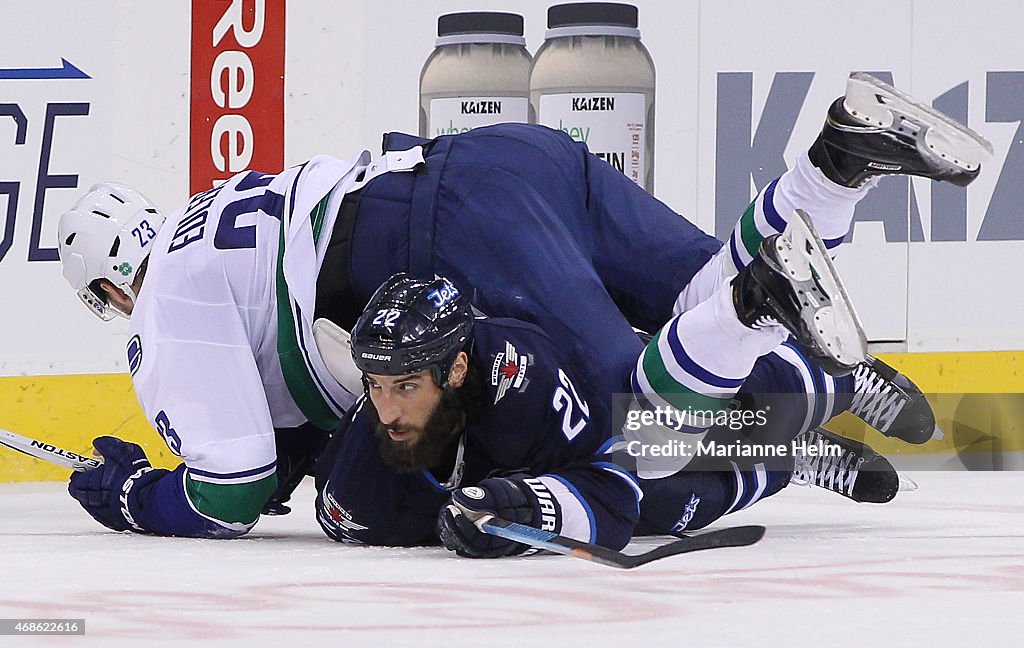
(740, 536)
(47, 452)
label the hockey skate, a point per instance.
(843, 466)
(891, 403)
(792, 282)
(877, 130)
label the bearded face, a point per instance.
(409, 448)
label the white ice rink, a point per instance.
(940, 566)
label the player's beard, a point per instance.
(427, 449)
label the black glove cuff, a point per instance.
(547, 512)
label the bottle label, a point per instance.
(610, 124)
(460, 114)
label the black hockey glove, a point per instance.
(109, 493)
(297, 452)
(519, 498)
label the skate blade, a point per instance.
(879, 104)
(907, 485)
(832, 318)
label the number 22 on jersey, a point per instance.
(567, 401)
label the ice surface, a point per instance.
(941, 566)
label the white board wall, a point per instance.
(352, 69)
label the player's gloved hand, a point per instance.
(297, 452)
(110, 492)
(519, 498)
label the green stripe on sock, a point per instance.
(232, 503)
(749, 235)
(670, 390)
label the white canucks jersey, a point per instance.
(221, 347)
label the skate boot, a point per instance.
(888, 401)
(844, 466)
(792, 282)
(877, 130)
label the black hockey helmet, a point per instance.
(411, 325)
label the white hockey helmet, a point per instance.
(106, 234)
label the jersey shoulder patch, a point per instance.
(134, 349)
(508, 371)
(514, 354)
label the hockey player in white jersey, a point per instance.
(220, 346)
(222, 296)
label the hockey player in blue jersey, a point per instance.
(223, 296)
(465, 417)
(465, 414)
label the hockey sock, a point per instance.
(829, 205)
(694, 498)
(824, 396)
(699, 360)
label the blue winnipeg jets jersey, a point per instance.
(539, 417)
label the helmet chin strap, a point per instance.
(126, 288)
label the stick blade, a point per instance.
(741, 536)
(729, 537)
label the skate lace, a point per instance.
(837, 473)
(876, 400)
(764, 321)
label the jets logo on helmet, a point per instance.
(441, 296)
(412, 325)
(107, 234)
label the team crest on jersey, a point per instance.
(134, 354)
(509, 371)
(339, 519)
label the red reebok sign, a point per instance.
(237, 106)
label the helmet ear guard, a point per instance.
(412, 325)
(107, 234)
(100, 307)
